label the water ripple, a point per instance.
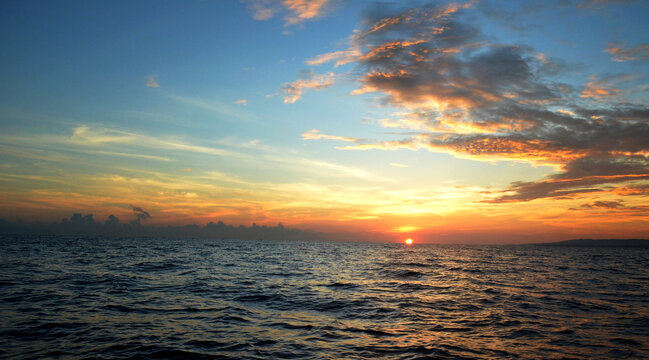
(174, 299)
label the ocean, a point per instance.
(68, 297)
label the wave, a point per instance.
(259, 300)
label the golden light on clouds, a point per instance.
(403, 229)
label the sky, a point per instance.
(448, 122)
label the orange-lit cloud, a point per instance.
(307, 81)
(416, 16)
(152, 81)
(477, 148)
(642, 190)
(302, 10)
(584, 175)
(387, 50)
(317, 135)
(297, 11)
(261, 9)
(621, 53)
(341, 57)
(601, 89)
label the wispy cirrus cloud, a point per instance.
(317, 135)
(224, 110)
(463, 94)
(301, 10)
(621, 53)
(399, 165)
(152, 81)
(341, 57)
(296, 11)
(604, 88)
(307, 80)
(84, 135)
(261, 9)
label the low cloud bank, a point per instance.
(85, 225)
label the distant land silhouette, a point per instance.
(617, 243)
(85, 225)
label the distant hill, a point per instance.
(614, 243)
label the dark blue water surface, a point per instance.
(161, 298)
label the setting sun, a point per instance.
(408, 241)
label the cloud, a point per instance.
(640, 190)
(460, 93)
(604, 88)
(121, 143)
(302, 10)
(584, 175)
(261, 9)
(296, 11)
(242, 102)
(93, 136)
(399, 165)
(603, 205)
(224, 110)
(130, 155)
(79, 224)
(317, 135)
(341, 57)
(96, 137)
(307, 80)
(614, 207)
(152, 81)
(140, 213)
(620, 53)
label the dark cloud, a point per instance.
(640, 190)
(140, 213)
(424, 57)
(584, 175)
(603, 205)
(614, 207)
(85, 225)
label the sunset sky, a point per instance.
(479, 121)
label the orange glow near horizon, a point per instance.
(408, 241)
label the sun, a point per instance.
(408, 241)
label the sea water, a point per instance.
(63, 297)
